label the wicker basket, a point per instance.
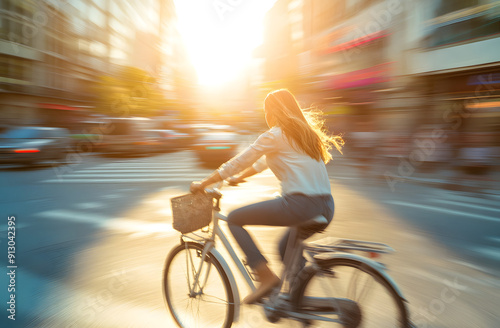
(191, 212)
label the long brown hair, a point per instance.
(303, 129)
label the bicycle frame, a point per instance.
(209, 247)
(290, 257)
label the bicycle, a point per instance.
(200, 290)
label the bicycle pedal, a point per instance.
(273, 314)
(280, 302)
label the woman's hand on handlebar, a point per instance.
(199, 186)
(234, 181)
(196, 186)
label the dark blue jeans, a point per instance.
(287, 211)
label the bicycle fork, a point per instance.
(195, 288)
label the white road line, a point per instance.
(495, 196)
(89, 205)
(111, 196)
(344, 178)
(450, 281)
(444, 210)
(411, 236)
(470, 265)
(459, 280)
(460, 198)
(86, 180)
(490, 252)
(494, 239)
(85, 217)
(425, 274)
(479, 207)
(130, 175)
(120, 224)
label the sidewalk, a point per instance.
(446, 178)
(450, 179)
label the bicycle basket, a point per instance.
(191, 212)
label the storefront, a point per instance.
(467, 106)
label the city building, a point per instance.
(403, 69)
(52, 52)
(455, 57)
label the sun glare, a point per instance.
(220, 36)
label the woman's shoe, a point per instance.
(268, 280)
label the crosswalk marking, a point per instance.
(138, 174)
(86, 180)
(444, 210)
(138, 169)
(137, 166)
(177, 170)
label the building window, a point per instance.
(459, 21)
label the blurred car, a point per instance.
(126, 136)
(168, 140)
(32, 144)
(216, 147)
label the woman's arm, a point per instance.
(245, 174)
(259, 166)
(264, 144)
(239, 163)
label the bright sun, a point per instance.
(220, 35)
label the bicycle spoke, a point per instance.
(354, 296)
(207, 301)
(364, 290)
(222, 301)
(353, 284)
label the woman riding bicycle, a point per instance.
(296, 150)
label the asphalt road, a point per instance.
(92, 237)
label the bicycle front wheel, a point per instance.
(352, 294)
(196, 289)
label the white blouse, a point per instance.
(296, 171)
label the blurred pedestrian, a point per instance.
(296, 149)
(365, 141)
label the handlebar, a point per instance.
(234, 184)
(215, 191)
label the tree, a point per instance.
(132, 92)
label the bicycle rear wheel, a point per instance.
(351, 292)
(208, 303)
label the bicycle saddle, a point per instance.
(314, 225)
